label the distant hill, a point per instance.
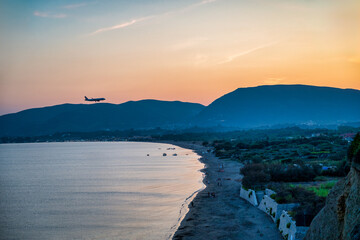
(282, 104)
(94, 117)
(263, 106)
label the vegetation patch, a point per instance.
(309, 202)
(323, 189)
(353, 154)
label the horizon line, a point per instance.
(153, 99)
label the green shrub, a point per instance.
(254, 176)
(322, 190)
(320, 178)
(284, 197)
(291, 173)
(319, 192)
(277, 223)
(328, 185)
(353, 154)
(288, 225)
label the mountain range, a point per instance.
(282, 104)
(243, 108)
(142, 114)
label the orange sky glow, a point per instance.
(57, 52)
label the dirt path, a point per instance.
(225, 216)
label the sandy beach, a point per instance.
(225, 215)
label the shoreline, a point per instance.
(196, 148)
(224, 215)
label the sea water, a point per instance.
(95, 190)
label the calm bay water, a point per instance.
(94, 190)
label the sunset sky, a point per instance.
(55, 52)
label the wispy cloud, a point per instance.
(49, 15)
(137, 20)
(203, 2)
(243, 53)
(122, 25)
(76, 5)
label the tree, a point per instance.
(254, 176)
(354, 150)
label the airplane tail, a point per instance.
(86, 98)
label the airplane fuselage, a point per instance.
(94, 99)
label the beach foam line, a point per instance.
(184, 209)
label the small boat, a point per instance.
(174, 154)
(164, 154)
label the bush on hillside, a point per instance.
(354, 150)
(249, 169)
(339, 171)
(309, 203)
(256, 180)
(254, 176)
(292, 172)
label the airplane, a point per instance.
(94, 99)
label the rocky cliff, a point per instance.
(340, 218)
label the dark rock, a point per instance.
(340, 218)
